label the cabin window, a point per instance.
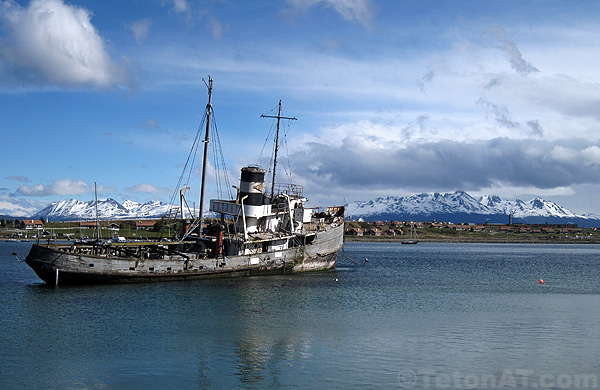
(132, 268)
(168, 268)
(151, 269)
(91, 265)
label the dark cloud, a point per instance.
(496, 37)
(407, 132)
(425, 127)
(448, 165)
(152, 125)
(500, 112)
(427, 77)
(535, 128)
(493, 82)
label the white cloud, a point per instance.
(147, 188)
(181, 6)
(59, 187)
(52, 43)
(472, 92)
(140, 29)
(591, 155)
(360, 11)
(217, 28)
(564, 154)
(19, 207)
(524, 192)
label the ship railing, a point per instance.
(292, 190)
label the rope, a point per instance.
(17, 257)
(344, 255)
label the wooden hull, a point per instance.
(67, 264)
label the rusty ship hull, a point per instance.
(79, 263)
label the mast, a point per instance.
(205, 163)
(279, 118)
(97, 223)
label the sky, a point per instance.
(392, 98)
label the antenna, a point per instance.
(279, 118)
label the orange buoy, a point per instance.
(541, 281)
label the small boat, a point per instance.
(258, 232)
(413, 235)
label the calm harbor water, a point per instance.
(420, 316)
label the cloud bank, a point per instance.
(54, 44)
(449, 165)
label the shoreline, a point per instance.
(470, 240)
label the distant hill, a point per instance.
(459, 206)
(73, 210)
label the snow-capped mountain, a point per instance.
(459, 206)
(73, 210)
(456, 207)
(150, 209)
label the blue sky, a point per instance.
(392, 97)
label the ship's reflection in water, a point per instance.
(259, 364)
(266, 334)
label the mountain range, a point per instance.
(75, 210)
(454, 207)
(459, 206)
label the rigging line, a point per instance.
(215, 151)
(269, 135)
(220, 161)
(269, 169)
(17, 257)
(194, 147)
(287, 151)
(288, 168)
(274, 108)
(271, 130)
(345, 256)
(214, 160)
(192, 155)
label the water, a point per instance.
(415, 316)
